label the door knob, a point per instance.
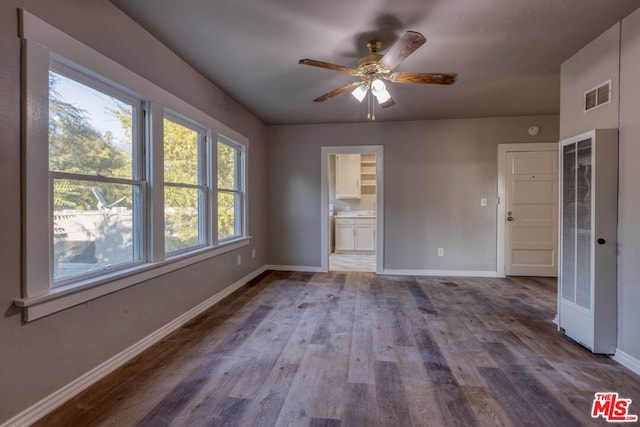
(601, 241)
(509, 218)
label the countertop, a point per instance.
(355, 214)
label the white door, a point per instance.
(531, 213)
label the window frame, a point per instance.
(203, 186)
(42, 43)
(137, 180)
(240, 191)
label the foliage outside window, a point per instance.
(184, 185)
(230, 190)
(93, 177)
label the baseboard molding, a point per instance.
(451, 273)
(302, 268)
(56, 399)
(627, 361)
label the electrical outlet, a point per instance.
(239, 259)
(440, 251)
(253, 253)
(483, 202)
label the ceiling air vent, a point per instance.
(598, 96)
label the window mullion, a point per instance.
(155, 168)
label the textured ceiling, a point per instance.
(507, 53)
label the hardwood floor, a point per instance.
(356, 349)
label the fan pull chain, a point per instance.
(373, 106)
(371, 114)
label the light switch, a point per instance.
(483, 202)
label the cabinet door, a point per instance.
(347, 176)
(345, 239)
(365, 238)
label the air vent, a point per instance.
(598, 96)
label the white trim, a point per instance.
(325, 232)
(451, 273)
(59, 397)
(503, 149)
(68, 296)
(627, 361)
(302, 268)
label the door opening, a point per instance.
(352, 208)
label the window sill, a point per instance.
(63, 297)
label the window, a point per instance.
(94, 177)
(230, 190)
(185, 188)
(118, 176)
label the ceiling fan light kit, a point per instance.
(360, 92)
(374, 67)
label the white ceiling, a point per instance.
(507, 53)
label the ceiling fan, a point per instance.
(375, 67)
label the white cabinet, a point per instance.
(347, 176)
(355, 234)
(345, 237)
(587, 305)
(365, 234)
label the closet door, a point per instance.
(587, 300)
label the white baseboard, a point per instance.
(302, 268)
(56, 399)
(627, 361)
(451, 273)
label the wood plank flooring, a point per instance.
(356, 349)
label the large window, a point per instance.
(230, 190)
(121, 180)
(185, 188)
(94, 176)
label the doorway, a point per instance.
(352, 217)
(528, 210)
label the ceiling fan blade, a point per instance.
(388, 104)
(404, 47)
(329, 66)
(428, 78)
(338, 91)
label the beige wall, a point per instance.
(40, 357)
(628, 194)
(614, 55)
(435, 173)
(588, 68)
